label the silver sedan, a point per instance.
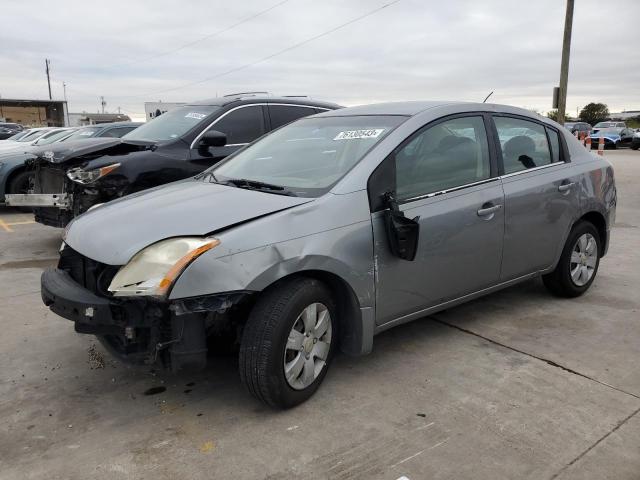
(331, 230)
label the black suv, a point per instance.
(72, 177)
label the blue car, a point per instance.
(13, 176)
(613, 137)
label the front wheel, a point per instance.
(578, 263)
(21, 183)
(288, 342)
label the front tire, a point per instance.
(21, 183)
(578, 263)
(288, 342)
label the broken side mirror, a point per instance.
(213, 138)
(403, 233)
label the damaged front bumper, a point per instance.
(58, 200)
(137, 330)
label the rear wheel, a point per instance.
(288, 342)
(578, 263)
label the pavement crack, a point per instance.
(594, 445)
(542, 359)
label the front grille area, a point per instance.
(92, 275)
(49, 179)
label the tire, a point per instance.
(20, 183)
(562, 281)
(635, 147)
(266, 349)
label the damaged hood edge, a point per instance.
(114, 232)
(62, 152)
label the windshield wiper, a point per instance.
(257, 185)
(207, 175)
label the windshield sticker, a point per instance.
(196, 115)
(354, 134)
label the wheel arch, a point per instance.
(10, 175)
(355, 338)
(598, 221)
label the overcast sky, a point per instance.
(137, 51)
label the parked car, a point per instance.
(14, 176)
(635, 141)
(26, 136)
(104, 130)
(613, 137)
(580, 127)
(609, 124)
(71, 178)
(9, 129)
(333, 229)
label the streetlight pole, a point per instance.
(564, 66)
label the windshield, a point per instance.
(51, 137)
(19, 135)
(309, 156)
(83, 133)
(605, 125)
(172, 124)
(32, 135)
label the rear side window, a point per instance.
(283, 114)
(450, 154)
(524, 144)
(554, 141)
(243, 125)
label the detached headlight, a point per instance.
(153, 270)
(89, 176)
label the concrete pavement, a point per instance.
(517, 385)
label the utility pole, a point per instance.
(46, 64)
(64, 90)
(103, 103)
(564, 66)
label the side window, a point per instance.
(243, 125)
(283, 114)
(524, 144)
(450, 154)
(117, 132)
(554, 140)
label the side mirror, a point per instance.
(402, 232)
(213, 138)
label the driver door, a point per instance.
(445, 179)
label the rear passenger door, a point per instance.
(541, 194)
(281, 114)
(444, 175)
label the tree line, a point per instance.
(593, 113)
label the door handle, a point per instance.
(490, 209)
(565, 186)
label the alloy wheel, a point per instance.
(584, 258)
(308, 346)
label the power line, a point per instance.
(194, 42)
(268, 57)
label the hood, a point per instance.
(112, 233)
(64, 151)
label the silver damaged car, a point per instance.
(330, 230)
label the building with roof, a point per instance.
(34, 113)
(84, 118)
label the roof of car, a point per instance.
(116, 124)
(251, 98)
(416, 107)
